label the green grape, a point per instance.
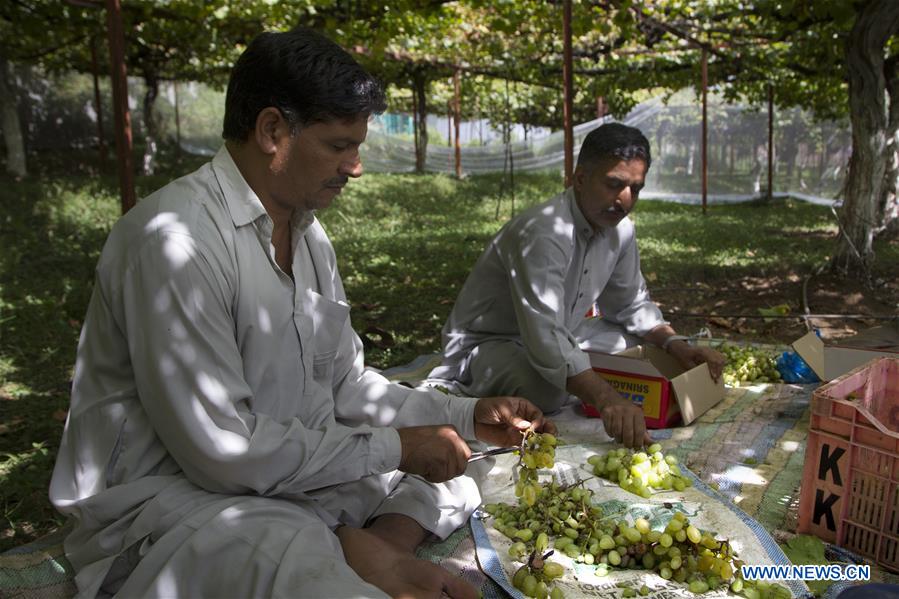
(556, 593)
(693, 534)
(751, 593)
(553, 570)
(698, 587)
(614, 557)
(642, 525)
(541, 592)
(562, 542)
(517, 550)
(633, 535)
(529, 585)
(519, 576)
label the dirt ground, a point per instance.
(730, 310)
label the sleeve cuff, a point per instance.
(385, 450)
(578, 363)
(462, 414)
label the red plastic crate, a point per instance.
(850, 481)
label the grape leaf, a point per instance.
(808, 549)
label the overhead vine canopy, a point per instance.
(621, 48)
(805, 51)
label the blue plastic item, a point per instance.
(793, 369)
(876, 590)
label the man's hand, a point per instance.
(690, 357)
(501, 420)
(436, 453)
(624, 421)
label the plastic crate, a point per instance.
(850, 481)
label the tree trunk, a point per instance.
(868, 113)
(12, 128)
(419, 88)
(888, 207)
(150, 125)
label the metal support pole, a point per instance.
(120, 103)
(770, 142)
(98, 104)
(705, 129)
(457, 117)
(567, 106)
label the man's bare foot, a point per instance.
(399, 530)
(396, 572)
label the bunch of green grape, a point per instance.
(638, 472)
(747, 364)
(681, 552)
(566, 517)
(534, 579)
(538, 451)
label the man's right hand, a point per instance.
(436, 453)
(624, 421)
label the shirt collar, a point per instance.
(584, 229)
(243, 203)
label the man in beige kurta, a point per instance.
(224, 438)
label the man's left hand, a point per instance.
(690, 357)
(501, 420)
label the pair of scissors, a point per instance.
(480, 455)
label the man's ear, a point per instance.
(577, 177)
(270, 128)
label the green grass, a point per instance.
(405, 244)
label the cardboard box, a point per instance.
(650, 377)
(830, 361)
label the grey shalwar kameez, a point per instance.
(519, 325)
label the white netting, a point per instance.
(810, 157)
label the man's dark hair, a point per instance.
(614, 140)
(306, 76)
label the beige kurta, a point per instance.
(221, 418)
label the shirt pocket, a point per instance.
(329, 318)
